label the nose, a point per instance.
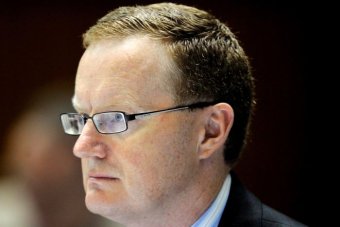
(90, 143)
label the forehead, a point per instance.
(132, 71)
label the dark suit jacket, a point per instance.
(244, 209)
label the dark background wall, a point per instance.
(41, 43)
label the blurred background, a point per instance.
(41, 47)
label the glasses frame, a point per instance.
(135, 116)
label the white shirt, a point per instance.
(211, 217)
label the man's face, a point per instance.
(152, 165)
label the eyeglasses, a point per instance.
(114, 121)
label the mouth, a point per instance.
(101, 178)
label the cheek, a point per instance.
(161, 161)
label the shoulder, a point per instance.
(243, 208)
(273, 218)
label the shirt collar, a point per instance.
(211, 217)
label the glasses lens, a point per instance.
(110, 122)
(73, 124)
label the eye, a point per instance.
(118, 117)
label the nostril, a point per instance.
(100, 149)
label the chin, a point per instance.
(97, 206)
(99, 202)
(96, 200)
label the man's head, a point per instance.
(208, 62)
(170, 164)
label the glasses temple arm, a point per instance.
(131, 117)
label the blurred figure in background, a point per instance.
(41, 186)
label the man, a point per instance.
(164, 96)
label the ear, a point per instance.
(218, 122)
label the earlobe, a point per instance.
(217, 126)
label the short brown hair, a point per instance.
(211, 64)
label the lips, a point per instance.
(101, 176)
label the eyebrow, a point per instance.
(74, 101)
(76, 105)
(125, 105)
